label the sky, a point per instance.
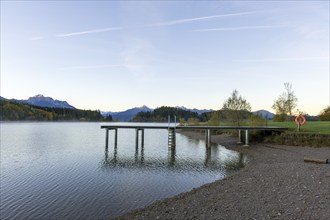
(115, 55)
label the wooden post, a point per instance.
(239, 136)
(208, 137)
(116, 136)
(137, 138)
(142, 137)
(106, 137)
(246, 138)
(313, 160)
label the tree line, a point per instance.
(236, 110)
(12, 111)
(161, 114)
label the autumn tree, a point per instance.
(286, 103)
(325, 114)
(214, 119)
(236, 107)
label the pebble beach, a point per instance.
(276, 183)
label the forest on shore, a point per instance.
(13, 111)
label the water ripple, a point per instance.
(63, 170)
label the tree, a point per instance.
(286, 103)
(214, 119)
(325, 114)
(236, 107)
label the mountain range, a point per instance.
(42, 101)
(127, 115)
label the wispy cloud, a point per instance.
(138, 57)
(89, 32)
(282, 59)
(92, 67)
(242, 28)
(180, 21)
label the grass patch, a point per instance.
(317, 127)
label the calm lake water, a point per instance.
(63, 170)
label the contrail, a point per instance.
(241, 28)
(90, 32)
(180, 21)
(282, 59)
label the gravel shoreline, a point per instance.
(275, 184)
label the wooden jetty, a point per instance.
(172, 131)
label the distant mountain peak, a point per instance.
(198, 111)
(43, 101)
(128, 114)
(264, 113)
(144, 108)
(41, 97)
(38, 96)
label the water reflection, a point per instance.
(215, 157)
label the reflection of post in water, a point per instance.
(207, 155)
(240, 162)
(136, 155)
(106, 155)
(142, 153)
(171, 156)
(137, 137)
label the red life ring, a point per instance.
(302, 118)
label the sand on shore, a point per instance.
(275, 184)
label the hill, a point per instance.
(14, 111)
(129, 114)
(161, 115)
(265, 114)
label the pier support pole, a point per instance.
(116, 136)
(137, 138)
(142, 137)
(239, 136)
(208, 137)
(246, 138)
(106, 137)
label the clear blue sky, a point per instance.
(112, 55)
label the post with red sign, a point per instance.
(300, 121)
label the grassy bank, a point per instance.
(316, 127)
(313, 133)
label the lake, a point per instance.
(62, 170)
